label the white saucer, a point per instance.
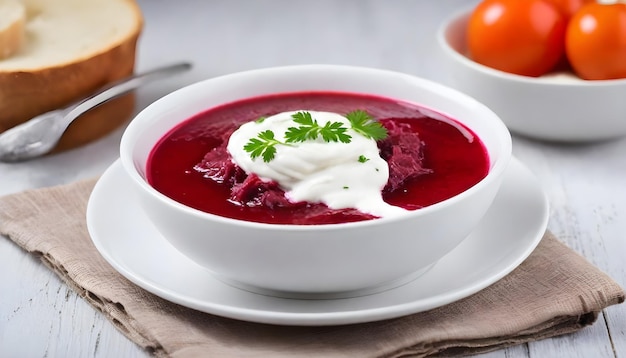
(511, 230)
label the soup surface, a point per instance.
(430, 157)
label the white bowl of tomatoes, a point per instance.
(550, 73)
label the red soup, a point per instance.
(429, 159)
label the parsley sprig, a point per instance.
(264, 145)
(309, 129)
(362, 123)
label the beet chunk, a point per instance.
(218, 166)
(248, 190)
(403, 151)
(254, 191)
(322, 214)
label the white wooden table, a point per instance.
(586, 184)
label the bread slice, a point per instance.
(70, 49)
(12, 23)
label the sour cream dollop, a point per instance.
(340, 175)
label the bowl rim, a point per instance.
(497, 168)
(573, 81)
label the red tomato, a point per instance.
(596, 41)
(568, 7)
(525, 37)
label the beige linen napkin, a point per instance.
(555, 291)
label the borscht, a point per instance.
(316, 158)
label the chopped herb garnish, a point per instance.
(365, 125)
(264, 145)
(346, 187)
(310, 129)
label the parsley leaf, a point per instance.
(309, 129)
(365, 125)
(363, 159)
(264, 145)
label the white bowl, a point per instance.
(315, 260)
(555, 107)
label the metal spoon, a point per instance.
(40, 134)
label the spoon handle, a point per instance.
(119, 88)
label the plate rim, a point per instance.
(305, 318)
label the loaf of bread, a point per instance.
(67, 49)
